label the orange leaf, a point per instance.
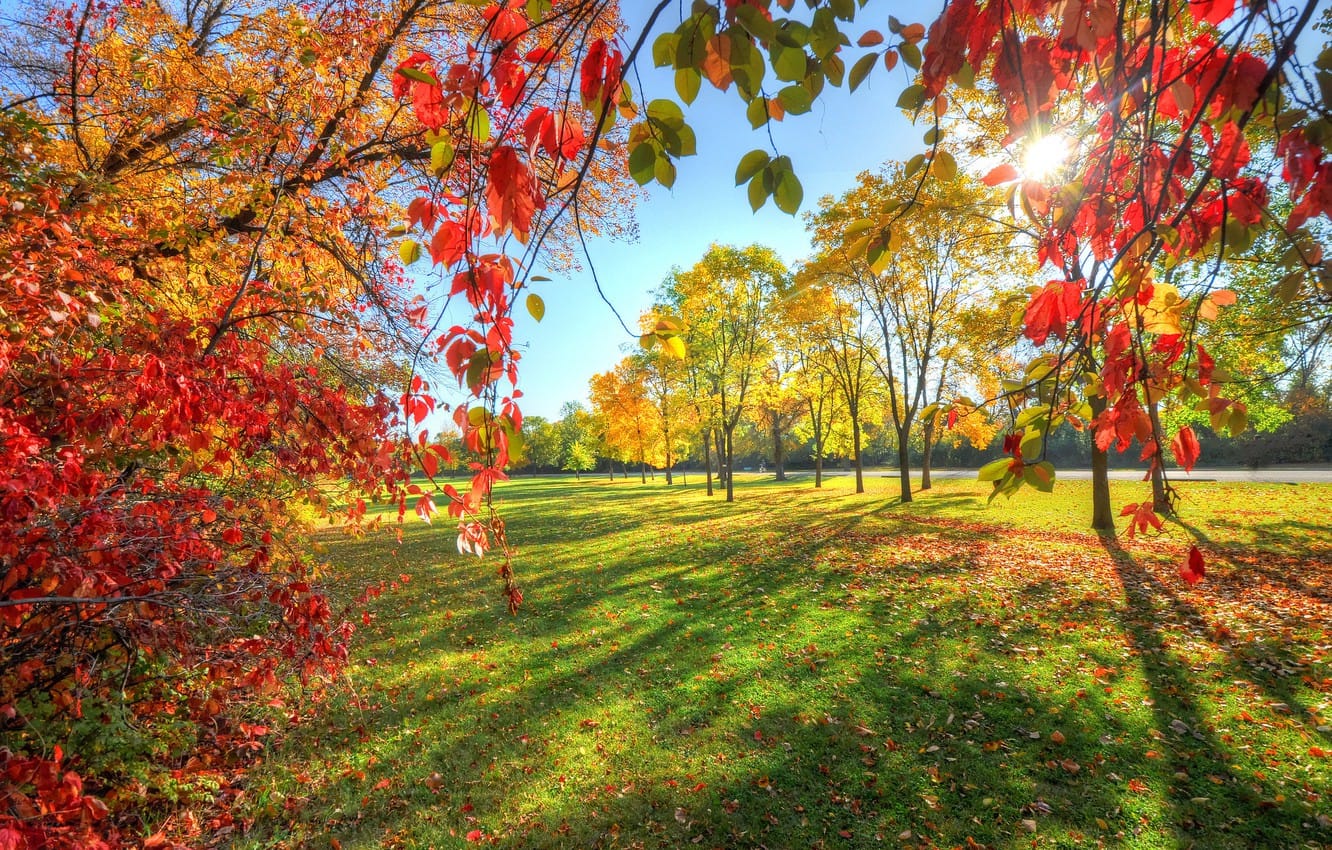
(870, 38)
(1000, 174)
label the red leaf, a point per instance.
(1185, 448)
(1051, 309)
(1211, 11)
(952, 418)
(513, 195)
(475, 835)
(1193, 571)
(1000, 174)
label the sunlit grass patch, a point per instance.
(806, 668)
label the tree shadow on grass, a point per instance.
(1278, 555)
(1198, 772)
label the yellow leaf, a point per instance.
(674, 345)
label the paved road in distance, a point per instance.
(1271, 475)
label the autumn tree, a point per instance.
(209, 327)
(666, 383)
(1162, 100)
(814, 383)
(778, 408)
(914, 285)
(724, 300)
(838, 342)
(621, 398)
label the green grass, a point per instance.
(820, 669)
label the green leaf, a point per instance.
(409, 251)
(788, 193)
(844, 9)
(758, 192)
(664, 48)
(933, 135)
(879, 250)
(666, 112)
(994, 470)
(757, 112)
(748, 68)
(643, 162)
(857, 227)
(535, 306)
(913, 165)
(664, 171)
(795, 100)
(789, 63)
(945, 167)
(478, 123)
(441, 156)
(1030, 415)
(754, 22)
(687, 83)
(912, 98)
(824, 37)
(910, 54)
(834, 69)
(965, 77)
(1040, 475)
(418, 75)
(308, 57)
(537, 10)
(1032, 443)
(862, 68)
(793, 33)
(476, 368)
(750, 164)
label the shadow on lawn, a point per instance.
(1279, 554)
(1200, 779)
(771, 684)
(799, 748)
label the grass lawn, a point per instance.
(819, 669)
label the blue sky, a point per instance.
(841, 137)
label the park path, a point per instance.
(1312, 474)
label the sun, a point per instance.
(1045, 155)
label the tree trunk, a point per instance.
(778, 456)
(707, 458)
(929, 451)
(642, 471)
(722, 472)
(1161, 501)
(730, 465)
(904, 462)
(670, 479)
(1103, 519)
(855, 449)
